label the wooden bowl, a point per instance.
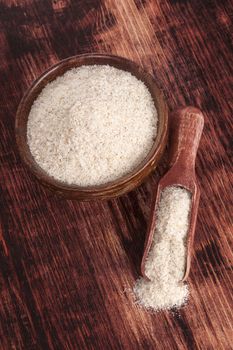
(111, 189)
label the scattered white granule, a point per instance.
(166, 261)
(92, 125)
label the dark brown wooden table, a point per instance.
(66, 268)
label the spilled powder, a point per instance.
(166, 260)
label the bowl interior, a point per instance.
(118, 186)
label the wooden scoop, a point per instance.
(186, 126)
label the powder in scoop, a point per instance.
(92, 125)
(165, 264)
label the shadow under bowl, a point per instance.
(111, 189)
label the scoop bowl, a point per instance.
(185, 132)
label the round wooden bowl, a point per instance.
(111, 189)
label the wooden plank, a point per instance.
(67, 268)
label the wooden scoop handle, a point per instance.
(186, 126)
(185, 133)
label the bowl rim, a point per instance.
(112, 188)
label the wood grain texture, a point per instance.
(66, 268)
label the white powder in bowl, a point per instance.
(165, 264)
(92, 125)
